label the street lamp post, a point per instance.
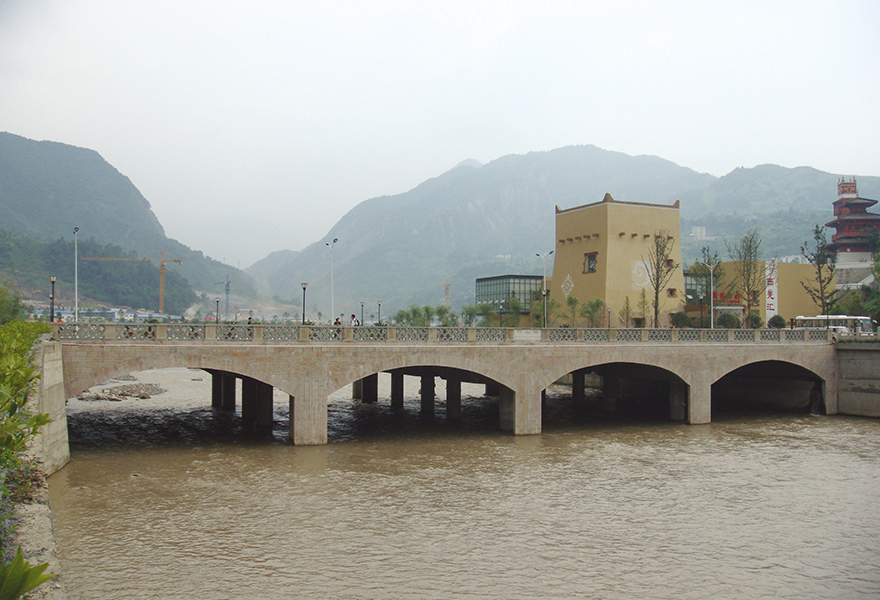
(52, 301)
(218, 312)
(380, 312)
(609, 318)
(305, 285)
(75, 276)
(332, 303)
(362, 313)
(544, 292)
(711, 267)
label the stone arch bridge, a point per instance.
(310, 363)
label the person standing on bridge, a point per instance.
(354, 321)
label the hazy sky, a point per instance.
(254, 126)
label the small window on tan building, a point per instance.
(672, 292)
(590, 262)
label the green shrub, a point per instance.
(681, 320)
(776, 322)
(754, 321)
(728, 321)
(19, 577)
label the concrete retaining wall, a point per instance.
(50, 445)
(858, 392)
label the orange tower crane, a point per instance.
(161, 262)
(446, 285)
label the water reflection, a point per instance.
(187, 504)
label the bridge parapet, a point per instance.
(298, 334)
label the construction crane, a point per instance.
(161, 262)
(446, 285)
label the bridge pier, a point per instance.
(578, 381)
(427, 394)
(370, 389)
(678, 393)
(227, 392)
(256, 402)
(699, 400)
(519, 410)
(216, 389)
(453, 399)
(308, 415)
(396, 390)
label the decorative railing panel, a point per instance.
(235, 333)
(412, 334)
(370, 334)
(451, 334)
(770, 335)
(818, 335)
(180, 333)
(563, 334)
(133, 332)
(491, 334)
(689, 335)
(659, 335)
(743, 335)
(83, 331)
(290, 333)
(281, 333)
(597, 335)
(716, 335)
(629, 335)
(325, 334)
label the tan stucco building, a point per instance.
(784, 295)
(601, 250)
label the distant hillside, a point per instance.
(47, 189)
(476, 221)
(469, 222)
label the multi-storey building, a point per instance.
(602, 250)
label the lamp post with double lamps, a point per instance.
(52, 301)
(305, 285)
(75, 276)
(332, 303)
(711, 267)
(544, 291)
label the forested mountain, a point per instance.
(47, 189)
(27, 264)
(476, 221)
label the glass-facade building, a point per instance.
(500, 289)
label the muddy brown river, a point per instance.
(164, 498)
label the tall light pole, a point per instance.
(711, 267)
(362, 313)
(75, 276)
(543, 258)
(52, 301)
(305, 285)
(218, 312)
(332, 300)
(380, 312)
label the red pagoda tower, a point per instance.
(852, 224)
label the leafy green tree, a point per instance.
(681, 320)
(626, 313)
(488, 314)
(660, 267)
(728, 320)
(750, 279)
(822, 290)
(776, 322)
(592, 311)
(754, 321)
(11, 306)
(572, 302)
(469, 315)
(445, 317)
(643, 305)
(514, 312)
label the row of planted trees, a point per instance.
(19, 477)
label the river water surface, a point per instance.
(166, 499)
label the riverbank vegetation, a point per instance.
(18, 477)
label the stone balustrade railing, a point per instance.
(287, 333)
